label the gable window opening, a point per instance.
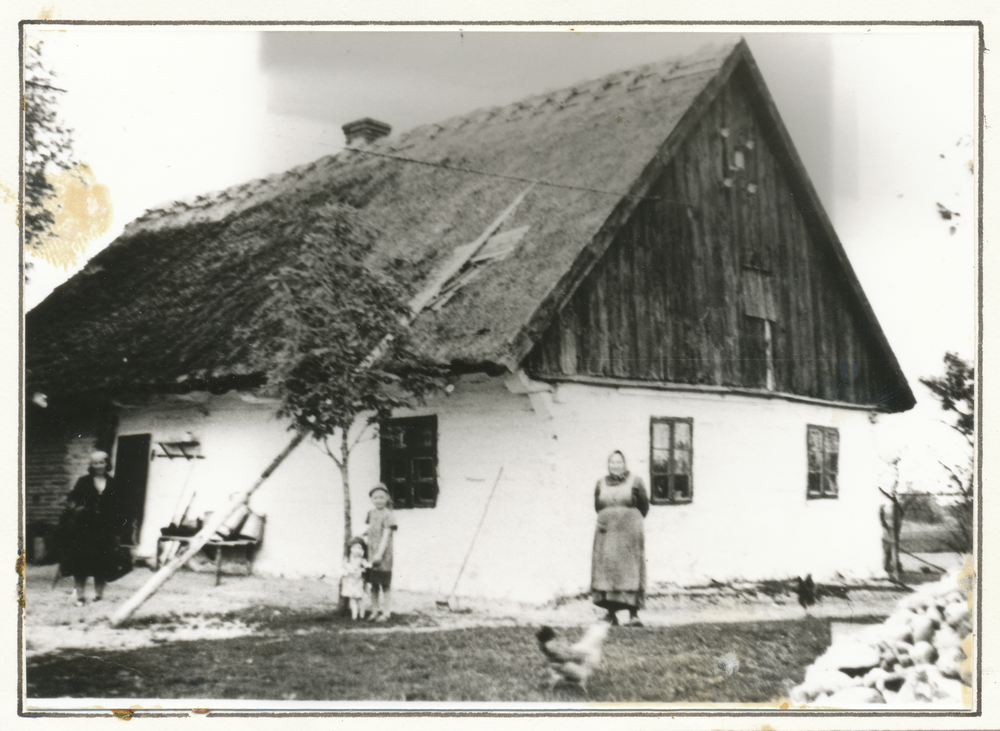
(759, 353)
(408, 457)
(670, 460)
(823, 444)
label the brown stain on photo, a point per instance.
(82, 211)
(125, 714)
(21, 578)
(967, 580)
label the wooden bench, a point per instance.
(247, 544)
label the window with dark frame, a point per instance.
(823, 445)
(670, 460)
(408, 456)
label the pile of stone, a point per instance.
(916, 658)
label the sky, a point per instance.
(883, 118)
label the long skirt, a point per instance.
(618, 570)
(87, 547)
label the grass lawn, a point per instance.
(303, 657)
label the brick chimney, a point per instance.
(366, 129)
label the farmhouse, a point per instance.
(639, 262)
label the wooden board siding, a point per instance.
(664, 303)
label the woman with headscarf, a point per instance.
(618, 572)
(88, 530)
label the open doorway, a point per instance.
(131, 474)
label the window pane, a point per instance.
(832, 440)
(815, 483)
(682, 487)
(426, 438)
(425, 492)
(423, 469)
(661, 460)
(660, 487)
(398, 438)
(682, 463)
(815, 461)
(831, 464)
(682, 435)
(661, 435)
(399, 493)
(815, 440)
(830, 486)
(400, 471)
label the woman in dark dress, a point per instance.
(88, 530)
(618, 573)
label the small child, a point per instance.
(381, 525)
(352, 583)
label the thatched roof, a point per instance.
(165, 300)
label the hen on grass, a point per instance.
(572, 663)
(806, 589)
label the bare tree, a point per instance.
(956, 392)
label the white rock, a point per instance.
(876, 676)
(957, 615)
(897, 632)
(852, 656)
(923, 628)
(854, 697)
(923, 653)
(925, 683)
(800, 694)
(830, 681)
(946, 638)
(949, 662)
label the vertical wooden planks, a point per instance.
(600, 322)
(644, 235)
(665, 302)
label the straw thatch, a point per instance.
(165, 302)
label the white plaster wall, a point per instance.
(482, 428)
(749, 519)
(238, 440)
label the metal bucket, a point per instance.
(231, 526)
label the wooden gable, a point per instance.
(725, 276)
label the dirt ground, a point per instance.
(190, 607)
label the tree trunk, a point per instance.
(345, 454)
(343, 607)
(198, 542)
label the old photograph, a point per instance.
(530, 367)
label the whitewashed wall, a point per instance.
(749, 520)
(238, 440)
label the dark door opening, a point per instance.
(131, 474)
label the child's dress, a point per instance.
(352, 584)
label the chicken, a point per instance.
(806, 589)
(572, 663)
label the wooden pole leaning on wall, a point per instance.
(158, 579)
